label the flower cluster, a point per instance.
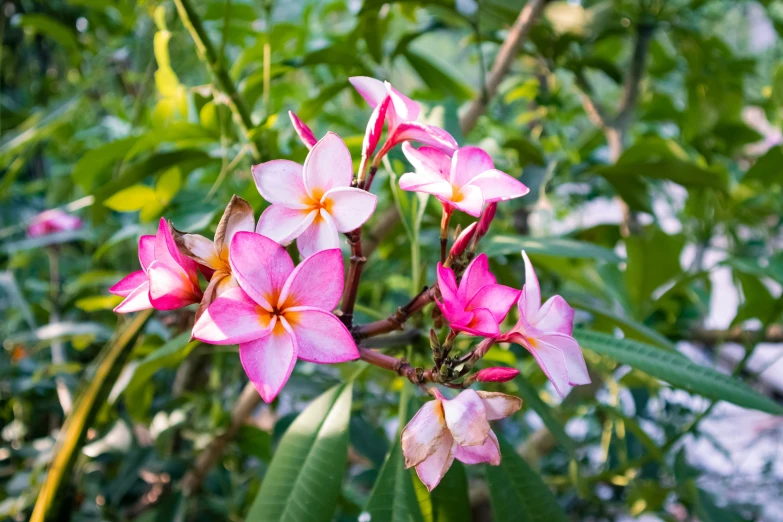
(278, 312)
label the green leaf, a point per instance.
(518, 494)
(550, 246)
(683, 173)
(47, 26)
(304, 478)
(677, 370)
(529, 153)
(131, 199)
(767, 167)
(451, 499)
(436, 78)
(393, 498)
(37, 127)
(531, 399)
(72, 435)
(168, 185)
(95, 161)
(34, 243)
(653, 259)
(632, 329)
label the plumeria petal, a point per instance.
(428, 161)
(451, 306)
(373, 91)
(282, 182)
(405, 108)
(170, 287)
(424, 134)
(467, 163)
(414, 182)
(499, 405)
(555, 316)
(232, 318)
(498, 299)
(320, 235)
(482, 323)
(260, 266)
(138, 299)
(498, 186)
(166, 250)
(202, 250)
(469, 200)
(550, 359)
(328, 165)
(349, 207)
(320, 336)
(424, 434)
(129, 283)
(283, 224)
(302, 130)
(238, 217)
(488, 452)
(531, 290)
(572, 354)
(146, 251)
(375, 128)
(466, 418)
(269, 361)
(476, 277)
(432, 469)
(316, 282)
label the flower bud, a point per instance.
(496, 374)
(303, 131)
(434, 341)
(463, 240)
(483, 347)
(375, 128)
(485, 220)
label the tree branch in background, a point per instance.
(516, 37)
(221, 78)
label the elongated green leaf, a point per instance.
(33, 243)
(95, 161)
(393, 498)
(531, 399)
(518, 494)
(436, 78)
(450, 500)
(550, 246)
(632, 329)
(35, 128)
(71, 437)
(683, 173)
(168, 355)
(677, 370)
(305, 475)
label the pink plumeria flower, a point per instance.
(545, 331)
(478, 305)
(464, 181)
(167, 279)
(303, 131)
(314, 202)
(213, 255)
(401, 116)
(443, 430)
(51, 222)
(278, 313)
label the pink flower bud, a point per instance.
(375, 127)
(463, 240)
(486, 219)
(51, 222)
(497, 374)
(303, 131)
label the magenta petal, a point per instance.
(451, 306)
(232, 318)
(320, 336)
(282, 182)
(531, 291)
(166, 250)
(170, 287)
(498, 186)
(283, 224)
(414, 182)
(320, 235)
(488, 452)
(476, 277)
(316, 282)
(129, 283)
(498, 299)
(146, 251)
(302, 130)
(466, 418)
(405, 108)
(374, 128)
(328, 165)
(350, 207)
(432, 469)
(483, 324)
(428, 161)
(496, 374)
(138, 299)
(373, 91)
(467, 163)
(269, 361)
(469, 200)
(424, 134)
(260, 266)
(555, 316)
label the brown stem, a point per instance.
(370, 177)
(397, 320)
(354, 276)
(516, 36)
(444, 232)
(399, 366)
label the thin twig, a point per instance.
(396, 321)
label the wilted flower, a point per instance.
(52, 221)
(545, 331)
(238, 217)
(312, 203)
(278, 313)
(167, 279)
(443, 430)
(478, 305)
(465, 181)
